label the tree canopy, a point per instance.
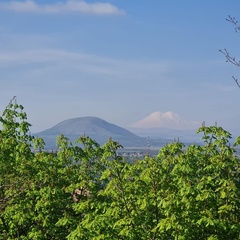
(87, 191)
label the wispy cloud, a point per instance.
(136, 70)
(77, 6)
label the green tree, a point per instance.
(87, 191)
(32, 194)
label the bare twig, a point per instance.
(228, 57)
(234, 22)
(236, 80)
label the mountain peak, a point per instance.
(159, 115)
(168, 119)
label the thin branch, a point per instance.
(230, 58)
(236, 80)
(234, 22)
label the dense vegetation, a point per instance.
(90, 192)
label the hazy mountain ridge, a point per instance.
(185, 136)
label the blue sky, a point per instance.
(119, 60)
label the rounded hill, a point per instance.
(88, 126)
(94, 127)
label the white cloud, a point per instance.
(78, 6)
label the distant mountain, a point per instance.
(88, 126)
(169, 120)
(96, 128)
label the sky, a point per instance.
(119, 60)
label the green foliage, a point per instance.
(86, 191)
